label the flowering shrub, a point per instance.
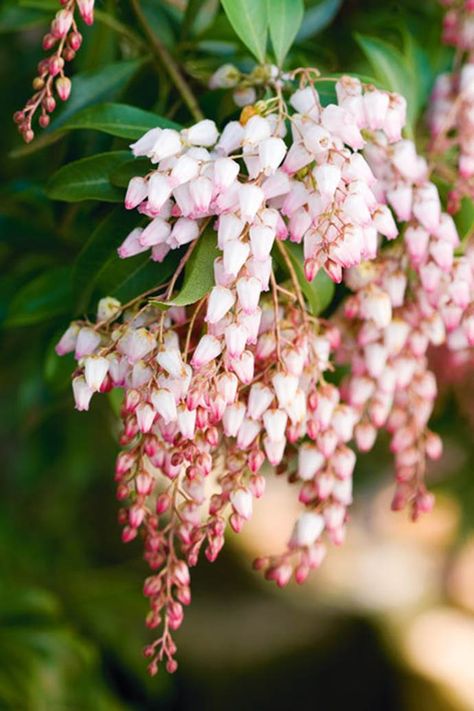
(302, 266)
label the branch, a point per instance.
(167, 61)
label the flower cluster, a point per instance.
(395, 319)
(65, 39)
(196, 435)
(216, 390)
(318, 191)
(451, 110)
(458, 24)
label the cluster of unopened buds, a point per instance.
(217, 391)
(65, 39)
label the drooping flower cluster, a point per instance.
(65, 38)
(214, 390)
(318, 191)
(458, 24)
(414, 296)
(196, 434)
(451, 110)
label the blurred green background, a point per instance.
(388, 622)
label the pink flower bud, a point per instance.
(248, 290)
(310, 461)
(271, 152)
(86, 8)
(63, 87)
(82, 393)
(75, 40)
(242, 502)
(308, 529)
(219, 303)
(275, 422)
(251, 198)
(285, 386)
(203, 133)
(136, 344)
(260, 398)
(61, 23)
(274, 450)
(163, 503)
(235, 255)
(208, 348)
(95, 371)
(235, 339)
(67, 342)
(136, 192)
(165, 405)
(244, 367)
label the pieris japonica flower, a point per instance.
(213, 390)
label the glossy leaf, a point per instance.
(199, 272)
(98, 252)
(317, 18)
(122, 175)
(88, 179)
(118, 120)
(320, 291)
(42, 298)
(284, 21)
(250, 21)
(465, 219)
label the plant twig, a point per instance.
(167, 61)
(282, 249)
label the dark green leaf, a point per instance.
(118, 120)
(284, 20)
(199, 272)
(128, 278)
(128, 170)
(465, 219)
(99, 250)
(14, 18)
(320, 291)
(45, 296)
(88, 179)
(250, 22)
(317, 18)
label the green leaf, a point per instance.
(48, 295)
(128, 278)
(317, 18)
(320, 291)
(88, 179)
(99, 269)
(128, 170)
(14, 18)
(284, 19)
(465, 219)
(199, 272)
(250, 21)
(118, 120)
(98, 253)
(392, 69)
(87, 88)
